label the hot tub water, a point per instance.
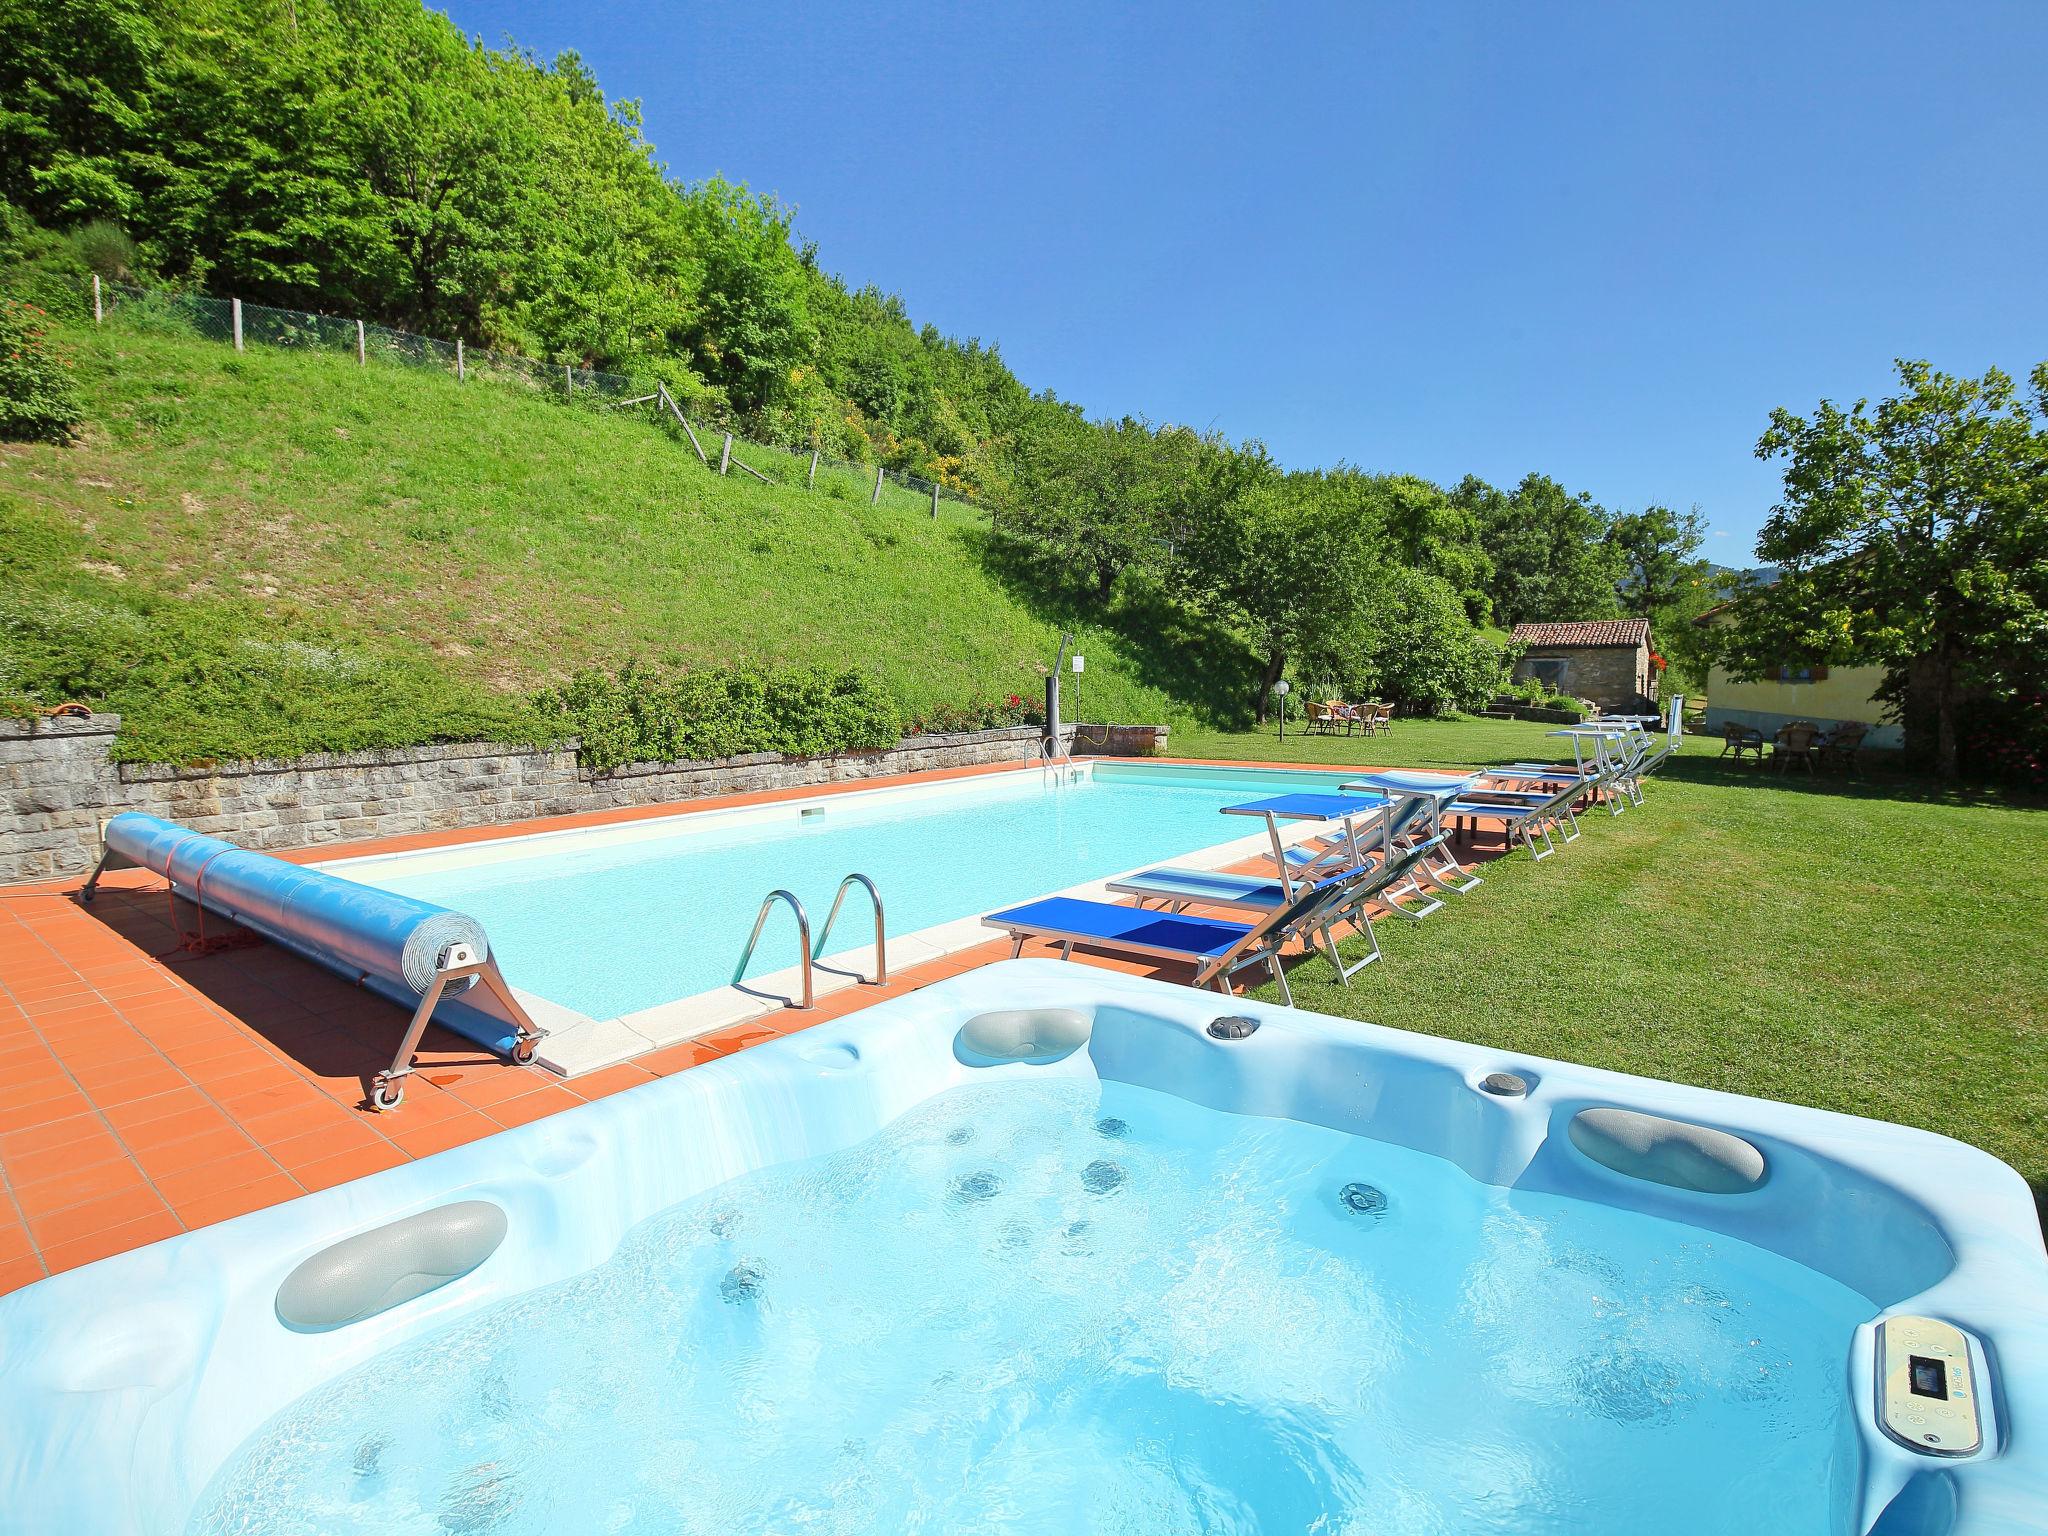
(1064, 1306)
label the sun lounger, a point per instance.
(1441, 868)
(1521, 819)
(1215, 948)
(1609, 777)
(1178, 889)
(1408, 820)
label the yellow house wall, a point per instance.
(1844, 694)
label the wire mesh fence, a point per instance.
(242, 324)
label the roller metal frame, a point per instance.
(458, 962)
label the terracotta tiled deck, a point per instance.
(148, 1086)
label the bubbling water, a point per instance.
(1102, 1309)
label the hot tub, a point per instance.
(1044, 1248)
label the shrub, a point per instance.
(37, 400)
(1419, 651)
(991, 715)
(642, 714)
(103, 246)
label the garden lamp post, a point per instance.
(1281, 690)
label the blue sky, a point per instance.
(1596, 240)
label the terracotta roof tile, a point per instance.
(1629, 632)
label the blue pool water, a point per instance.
(1068, 1306)
(610, 930)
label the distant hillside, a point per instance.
(1733, 580)
(261, 553)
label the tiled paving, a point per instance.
(151, 1083)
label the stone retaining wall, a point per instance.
(60, 785)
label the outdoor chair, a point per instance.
(1844, 744)
(1376, 718)
(1216, 949)
(1796, 742)
(1740, 739)
(1323, 719)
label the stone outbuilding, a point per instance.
(1609, 661)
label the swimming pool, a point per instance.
(1119, 1274)
(619, 922)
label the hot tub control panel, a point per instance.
(1926, 1390)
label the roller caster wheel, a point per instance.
(388, 1095)
(524, 1051)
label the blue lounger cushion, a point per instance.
(1064, 917)
(1210, 885)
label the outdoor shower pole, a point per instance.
(1052, 696)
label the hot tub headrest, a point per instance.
(1037, 1035)
(376, 1270)
(1677, 1153)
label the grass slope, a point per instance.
(1867, 946)
(261, 553)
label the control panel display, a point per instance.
(1929, 1377)
(1926, 1388)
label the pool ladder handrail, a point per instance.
(803, 939)
(1055, 759)
(874, 900)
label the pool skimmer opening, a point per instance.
(1232, 1026)
(1505, 1085)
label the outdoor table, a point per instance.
(1307, 807)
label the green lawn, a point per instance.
(1874, 947)
(266, 552)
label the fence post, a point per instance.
(237, 310)
(935, 501)
(725, 455)
(876, 499)
(811, 483)
(568, 385)
(98, 314)
(362, 347)
(461, 367)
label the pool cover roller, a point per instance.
(395, 945)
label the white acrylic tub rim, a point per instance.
(577, 1043)
(124, 1385)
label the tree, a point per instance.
(1429, 531)
(1549, 550)
(1413, 645)
(1913, 535)
(755, 327)
(1657, 549)
(1101, 497)
(1288, 569)
(75, 80)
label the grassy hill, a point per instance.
(275, 551)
